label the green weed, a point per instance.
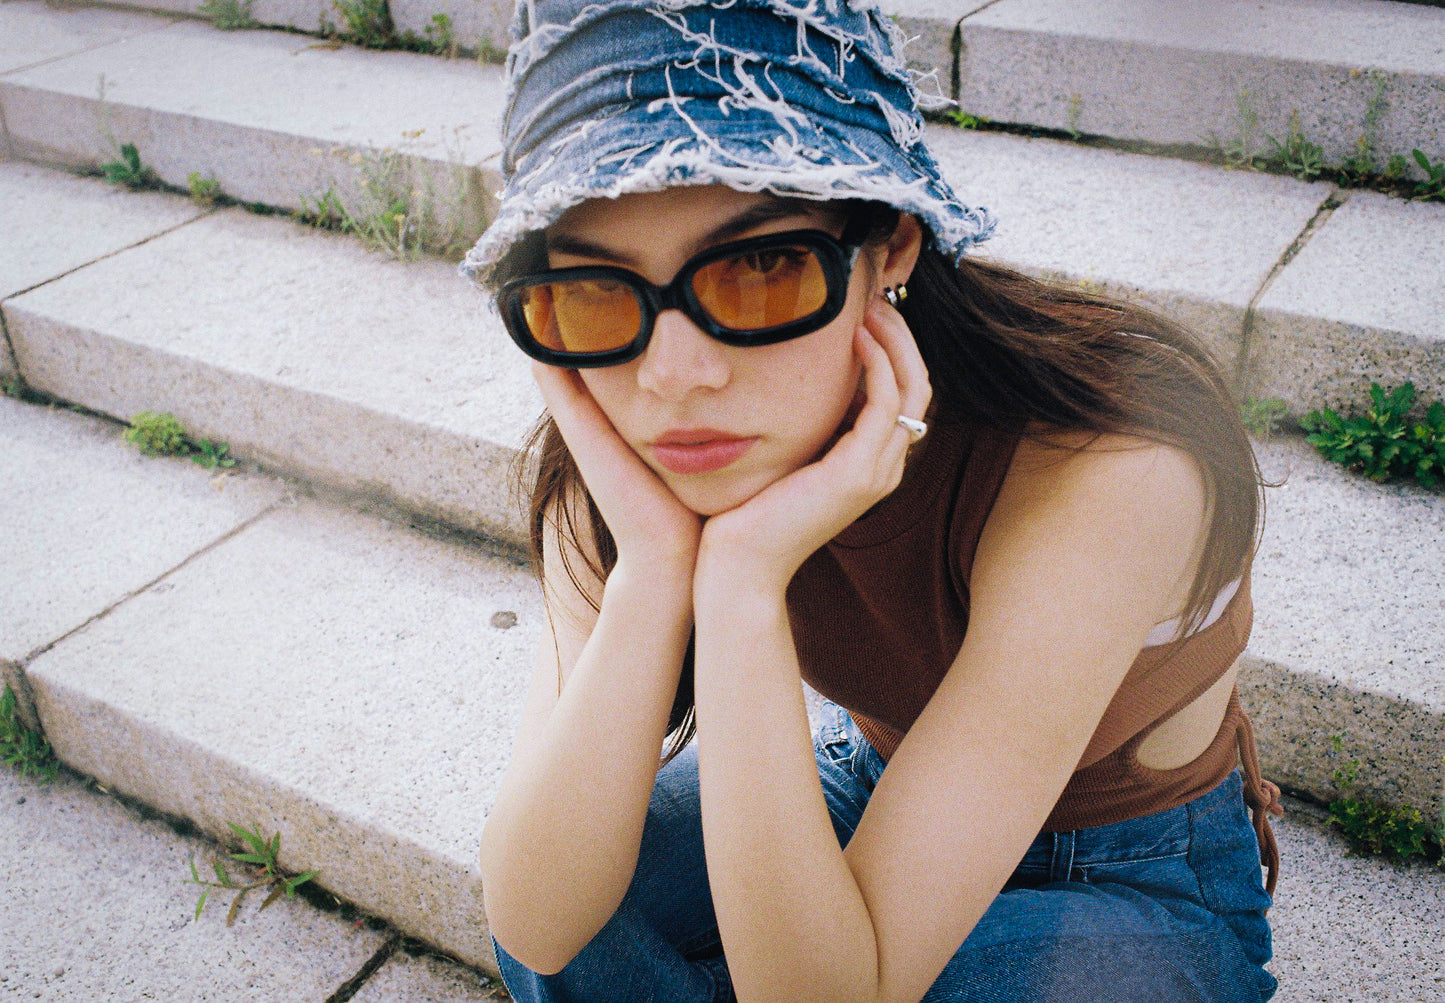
(1398, 833)
(228, 15)
(1296, 154)
(259, 855)
(965, 120)
(22, 748)
(163, 435)
(13, 386)
(490, 52)
(366, 23)
(1263, 415)
(1076, 114)
(1360, 165)
(393, 212)
(1433, 187)
(1384, 442)
(128, 170)
(443, 39)
(1241, 150)
(204, 190)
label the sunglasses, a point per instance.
(757, 291)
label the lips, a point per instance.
(699, 450)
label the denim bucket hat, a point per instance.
(807, 98)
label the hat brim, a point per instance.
(647, 148)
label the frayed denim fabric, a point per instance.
(807, 98)
(1168, 908)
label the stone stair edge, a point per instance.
(432, 888)
(511, 532)
(943, 36)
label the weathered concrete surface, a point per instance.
(930, 26)
(32, 32)
(477, 25)
(88, 520)
(301, 349)
(330, 676)
(1353, 930)
(1169, 71)
(96, 906)
(428, 979)
(1193, 241)
(1363, 302)
(327, 117)
(56, 222)
(1349, 630)
(311, 16)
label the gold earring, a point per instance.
(895, 294)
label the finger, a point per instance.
(891, 331)
(878, 421)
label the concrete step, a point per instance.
(97, 907)
(1226, 76)
(299, 348)
(391, 382)
(351, 684)
(271, 661)
(274, 118)
(1229, 73)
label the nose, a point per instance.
(680, 358)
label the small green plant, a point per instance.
(1241, 150)
(228, 15)
(366, 23)
(1076, 114)
(204, 190)
(1398, 833)
(490, 52)
(158, 434)
(1396, 167)
(1263, 415)
(1433, 187)
(163, 435)
(1384, 442)
(1296, 154)
(13, 386)
(128, 169)
(20, 747)
(439, 33)
(965, 120)
(259, 855)
(1360, 165)
(392, 212)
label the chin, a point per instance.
(709, 499)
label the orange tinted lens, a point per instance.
(762, 289)
(582, 315)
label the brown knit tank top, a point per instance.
(879, 614)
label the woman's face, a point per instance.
(718, 423)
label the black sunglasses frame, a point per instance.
(836, 255)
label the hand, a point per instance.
(769, 536)
(647, 521)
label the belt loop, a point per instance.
(1062, 864)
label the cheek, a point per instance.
(609, 387)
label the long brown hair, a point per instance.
(1021, 355)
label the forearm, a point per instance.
(793, 921)
(561, 841)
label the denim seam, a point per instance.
(1131, 860)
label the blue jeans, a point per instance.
(1168, 907)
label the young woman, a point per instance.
(795, 434)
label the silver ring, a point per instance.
(916, 429)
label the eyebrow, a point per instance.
(746, 220)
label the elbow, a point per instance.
(528, 936)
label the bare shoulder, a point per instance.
(1127, 473)
(1115, 509)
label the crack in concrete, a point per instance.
(23, 664)
(1242, 362)
(351, 986)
